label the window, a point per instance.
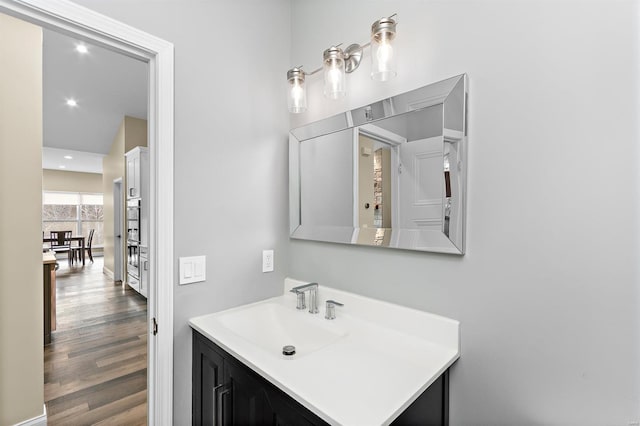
(78, 212)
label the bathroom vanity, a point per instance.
(376, 363)
(389, 174)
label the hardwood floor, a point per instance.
(95, 368)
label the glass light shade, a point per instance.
(334, 74)
(383, 64)
(297, 91)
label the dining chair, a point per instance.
(61, 242)
(89, 244)
(77, 251)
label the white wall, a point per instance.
(231, 149)
(547, 294)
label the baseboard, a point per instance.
(41, 420)
(107, 272)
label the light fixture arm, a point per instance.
(312, 72)
(352, 58)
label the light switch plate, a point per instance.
(193, 269)
(187, 269)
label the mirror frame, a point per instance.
(451, 95)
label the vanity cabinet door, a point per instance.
(288, 412)
(249, 401)
(255, 401)
(431, 408)
(227, 392)
(207, 376)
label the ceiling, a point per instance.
(106, 86)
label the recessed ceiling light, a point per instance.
(72, 102)
(61, 166)
(68, 157)
(81, 48)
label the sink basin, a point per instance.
(271, 326)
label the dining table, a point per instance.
(78, 238)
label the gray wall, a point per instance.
(231, 149)
(547, 294)
(327, 182)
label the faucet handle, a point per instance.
(330, 311)
(300, 304)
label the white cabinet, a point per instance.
(144, 271)
(137, 179)
(133, 282)
(137, 172)
(133, 175)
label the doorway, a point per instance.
(83, 23)
(107, 119)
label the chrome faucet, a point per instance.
(313, 296)
(330, 311)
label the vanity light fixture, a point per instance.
(383, 66)
(297, 90)
(334, 72)
(336, 62)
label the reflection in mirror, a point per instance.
(390, 174)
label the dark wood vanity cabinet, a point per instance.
(207, 378)
(227, 392)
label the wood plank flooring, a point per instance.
(95, 368)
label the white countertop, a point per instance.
(383, 356)
(48, 257)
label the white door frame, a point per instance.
(82, 23)
(118, 263)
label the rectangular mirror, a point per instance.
(389, 174)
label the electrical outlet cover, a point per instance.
(267, 261)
